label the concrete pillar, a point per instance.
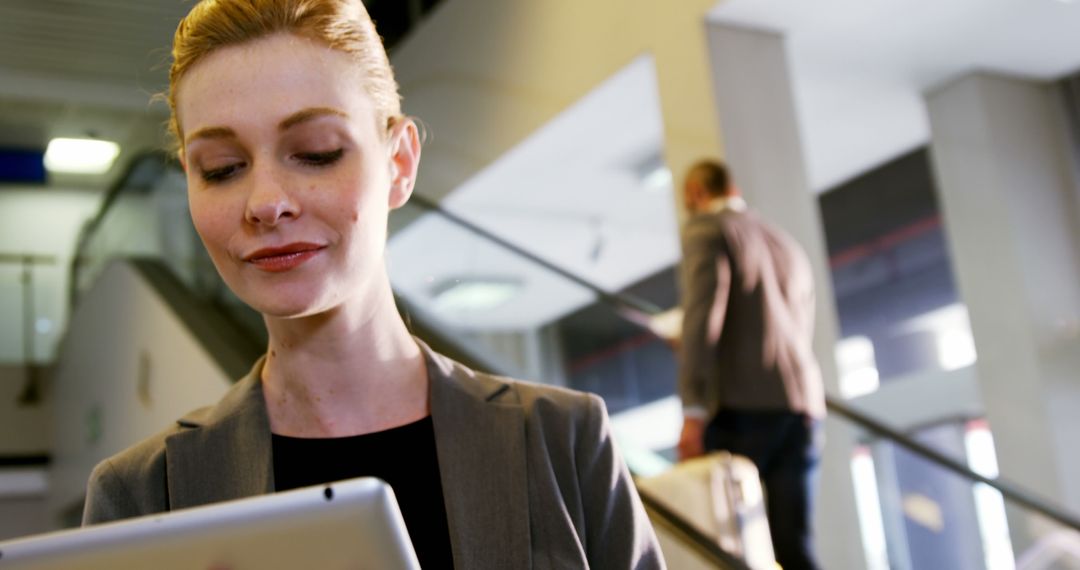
(1008, 193)
(756, 109)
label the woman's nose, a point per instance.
(270, 202)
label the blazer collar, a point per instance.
(479, 438)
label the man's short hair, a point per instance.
(713, 175)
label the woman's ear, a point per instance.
(404, 160)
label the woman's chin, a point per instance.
(285, 309)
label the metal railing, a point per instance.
(31, 390)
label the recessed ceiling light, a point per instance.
(472, 294)
(659, 179)
(653, 172)
(80, 156)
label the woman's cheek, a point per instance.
(209, 224)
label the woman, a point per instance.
(292, 139)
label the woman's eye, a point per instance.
(221, 174)
(320, 158)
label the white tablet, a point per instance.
(352, 525)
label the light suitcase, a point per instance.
(721, 495)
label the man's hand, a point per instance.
(692, 440)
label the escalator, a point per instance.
(498, 307)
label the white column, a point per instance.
(1008, 194)
(756, 109)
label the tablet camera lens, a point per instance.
(328, 493)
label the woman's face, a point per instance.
(290, 179)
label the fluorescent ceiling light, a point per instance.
(471, 295)
(80, 156)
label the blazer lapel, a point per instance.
(226, 451)
(480, 442)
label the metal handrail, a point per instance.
(31, 391)
(1008, 489)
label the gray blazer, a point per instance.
(530, 474)
(748, 324)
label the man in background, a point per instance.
(748, 379)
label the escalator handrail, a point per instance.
(1008, 489)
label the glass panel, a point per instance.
(916, 514)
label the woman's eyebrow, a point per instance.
(292, 120)
(211, 133)
(307, 115)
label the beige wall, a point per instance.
(128, 368)
(484, 74)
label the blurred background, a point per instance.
(925, 153)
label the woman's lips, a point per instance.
(279, 259)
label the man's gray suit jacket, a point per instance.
(530, 474)
(748, 318)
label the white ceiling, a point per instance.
(570, 194)
(859, 67)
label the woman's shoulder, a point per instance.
(533, 397)
(148, 455)
(547, 399)
(130, 483)
(567, 418)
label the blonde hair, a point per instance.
(343, 25)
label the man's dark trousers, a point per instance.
(785, 447)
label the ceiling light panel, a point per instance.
(80, 156)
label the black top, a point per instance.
(403, 456)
